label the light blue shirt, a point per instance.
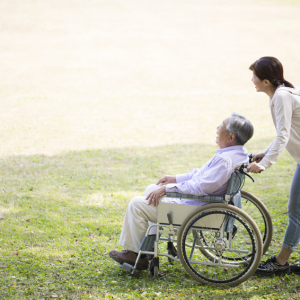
(212, 178)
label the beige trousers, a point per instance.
(137, 218)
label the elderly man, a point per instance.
(211, 179)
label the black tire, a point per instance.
(260, 215)
(246, 243)
(154, 266)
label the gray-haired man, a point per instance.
(211, 179)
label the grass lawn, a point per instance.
(62, 214)
(99, 100)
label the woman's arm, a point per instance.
(266, 150)
(283, 110)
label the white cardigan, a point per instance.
(285, 110)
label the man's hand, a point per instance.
(255, 168)
(156, 195)
(258, 157)
(166, 180)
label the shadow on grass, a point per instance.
(62, 214)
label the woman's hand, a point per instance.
(156, 195)
(258, 157)
(255, 168)
(166, 180)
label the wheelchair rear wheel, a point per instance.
(260, 215)
(221, 259)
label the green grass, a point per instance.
(62, 214)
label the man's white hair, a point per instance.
(241, 128)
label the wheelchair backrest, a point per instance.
(235, 182)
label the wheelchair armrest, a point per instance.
(202, 198)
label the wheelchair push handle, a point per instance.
(241, 169)
(251, 156)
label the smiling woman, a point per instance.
(268, 73)
(285, 110)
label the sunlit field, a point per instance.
(98, 99)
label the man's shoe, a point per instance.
(127, 256)
(295, 269)
(271, 266)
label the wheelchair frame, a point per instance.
(214, 246)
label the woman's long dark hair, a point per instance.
(270, 68)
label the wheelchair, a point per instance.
(219, 243)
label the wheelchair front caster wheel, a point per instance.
(154, 266)
(171, 251)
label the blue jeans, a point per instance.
(292, 233)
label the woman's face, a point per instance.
(259, 84)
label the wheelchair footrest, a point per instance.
(127, 267)
(148, 242)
